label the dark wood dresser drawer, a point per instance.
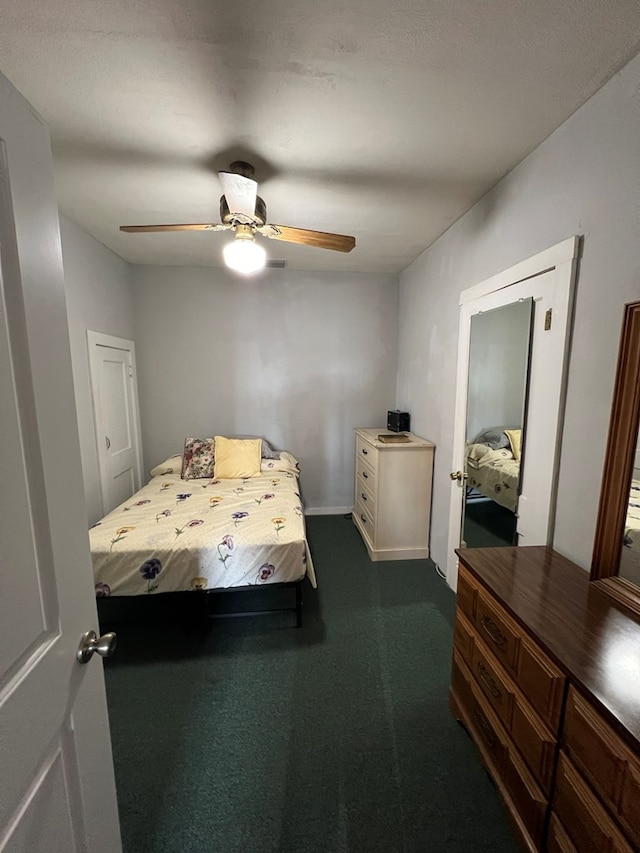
(558, 841)
(524, 796)
(529, 801)
(530, 735)
(463, 638)
(591, 828)
(466, 594)
(606, 762)
(477, 717)
(541, 681)
(500, 634)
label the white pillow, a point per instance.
(172, 465)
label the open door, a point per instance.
(546, 282)
(58, 789)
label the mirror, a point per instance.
(616, 554)
(498, 378)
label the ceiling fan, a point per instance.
(242, 210)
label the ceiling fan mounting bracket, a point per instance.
(241, 167)
(229, 218)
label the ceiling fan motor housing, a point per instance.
(228, 218)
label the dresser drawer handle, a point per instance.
(484, 727)
(365, 475)
(493, 631)
(364, 497)
(363, 518)
(365, 452)
(483, 675)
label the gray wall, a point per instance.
(584, 179)
(300, 358)
(98, 290)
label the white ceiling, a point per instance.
(384, 120)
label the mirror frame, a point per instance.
(618, 466)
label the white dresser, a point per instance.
(392, 504)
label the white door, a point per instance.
(115, 408)
(547, 278)
(57, 789)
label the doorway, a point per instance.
(116, 417)
(548, 280)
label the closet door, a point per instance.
(115, 408)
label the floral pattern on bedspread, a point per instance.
(495, 473)
(205, 534)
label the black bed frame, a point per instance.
(130, 607)
(297, 607)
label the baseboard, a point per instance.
(327, 510)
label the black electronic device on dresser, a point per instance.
(398, 421)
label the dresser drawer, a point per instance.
(558, 841)
(498, 632)
(529, 734)
(365, 452)
(608, 763)
(478, 718)
(463, 638)
(494, 686)
(524, 796)
(365, 518)
(536, 676)
(466, 593)
(581, 812)
(365, 473)
(365, 496)
(529, 801)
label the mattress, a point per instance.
(176, 534)
(494, 473)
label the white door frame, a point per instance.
(95, 340)
(561, 261)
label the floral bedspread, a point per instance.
(176, 534)
(495, 473)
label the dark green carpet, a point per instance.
(247, 735)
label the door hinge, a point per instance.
(130, 372)
(547, 319)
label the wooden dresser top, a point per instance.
(592, 639)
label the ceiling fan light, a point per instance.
(244, 256)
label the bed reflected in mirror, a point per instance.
(630, 553)
(499, 351)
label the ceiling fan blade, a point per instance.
(240, 193)
(207, 226)
(320, 239)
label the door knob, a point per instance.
(458, 475)
(105, 645)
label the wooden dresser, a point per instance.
(546, 678)
(392, 500)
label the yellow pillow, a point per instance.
(237, 457)
(515, 440)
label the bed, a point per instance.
(493, 465)
(630, 555)
(204, 533)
